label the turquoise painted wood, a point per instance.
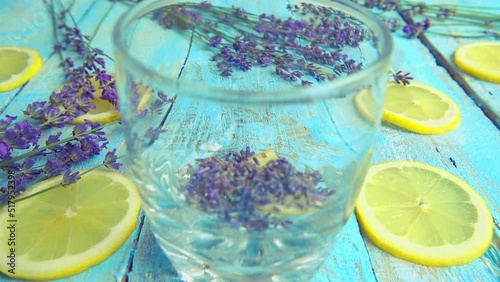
(471, 151)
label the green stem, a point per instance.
(446, 5)
(458, 21)
(458, 35)
(101, 21)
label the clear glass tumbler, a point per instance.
(249, 127)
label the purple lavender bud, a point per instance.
(306, 83)
(70, 178)
(53, 168)
(264, 59)
(91, 146)
(53, 139)
(412, 30)
(225, 51)
(84, 104)
(14, 141)
(215, 41)
(58, 48)
(4, 151)
(164, 98)
(4, 123)
(35, 110)
(110, 160)
(109, 94)
(227, 72)
(30, 133)
(240, 12)
(426, 23)
(205, 5)
(27, 168)
(79, 128)
(243, 63)
(102, 77)
(93, 125)
(154, 134)
(239, 46)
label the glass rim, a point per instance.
(333, 88)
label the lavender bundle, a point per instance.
(308, 46)
(32, 148)
(248, 190)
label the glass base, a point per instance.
(194, 269)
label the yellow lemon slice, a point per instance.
(423, 214)
(420, 108)
(480, 59)
(66, 230)
(19, 64)
(367, 104)
(104, 111)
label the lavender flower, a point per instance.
(93, 65)
(70, 178)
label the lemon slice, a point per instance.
(367, 104)
(19, 64)
(420, 108)
(68, 229)
(104, 111)
(480, 59)
(423, 214)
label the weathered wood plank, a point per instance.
(472, 147)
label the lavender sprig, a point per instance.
(71, 41)
(69, 177)
(25, 158)
(401, 78)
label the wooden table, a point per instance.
(471, 151)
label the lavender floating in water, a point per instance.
(308, 45)
(238, 189)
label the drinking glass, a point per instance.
(249, 127)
